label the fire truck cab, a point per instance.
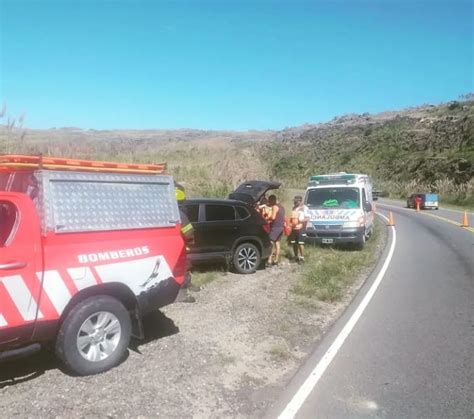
(86, 249)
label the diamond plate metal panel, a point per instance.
(73, 202)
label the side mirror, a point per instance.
(367, 207)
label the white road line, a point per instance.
(307, 387)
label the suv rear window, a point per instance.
(242, 212)
(192, 212)
(220, 212)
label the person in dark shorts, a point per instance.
(299, 218)
(277, 223)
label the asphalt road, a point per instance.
(454, 215)
(411, 353)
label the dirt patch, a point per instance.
(227, 355)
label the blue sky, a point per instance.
(228, 64)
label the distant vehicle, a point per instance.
(340, 207)
(230, 230)
(86, 250)
(427, 201)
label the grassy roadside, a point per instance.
(329, 271)
(200, 277)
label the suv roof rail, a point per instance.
(13, 162)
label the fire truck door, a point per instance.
(20, 259)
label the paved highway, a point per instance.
(453, 215)
(410, 353)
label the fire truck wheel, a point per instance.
(94, 336)
(246, 258)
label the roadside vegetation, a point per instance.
(326, 273)
(329, 271)
(415, 150)
(429, 148)
(203, 277)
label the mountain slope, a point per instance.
(423, 148)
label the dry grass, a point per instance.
(328, 271)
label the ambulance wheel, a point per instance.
(94, 336)
(246, 258)
(361, 242)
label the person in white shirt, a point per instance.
(299, 218)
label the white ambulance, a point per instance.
(340, 207)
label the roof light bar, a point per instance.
(22, 162)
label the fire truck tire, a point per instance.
(94, 336)
(246, 258)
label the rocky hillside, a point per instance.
(430, 147)
(427, 147)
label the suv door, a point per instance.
(20, 259)
(221, 228)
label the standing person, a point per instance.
(299, 218)
(187, 231)
(277, 223)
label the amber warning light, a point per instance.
(18, 162)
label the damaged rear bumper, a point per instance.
(160, 295)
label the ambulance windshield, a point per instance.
(333, 198)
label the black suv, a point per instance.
(230, 230)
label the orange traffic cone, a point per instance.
(417, 207)
(391, 221)
(465, 220)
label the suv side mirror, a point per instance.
(367, 207)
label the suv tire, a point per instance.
(94, 336)
(246, 259)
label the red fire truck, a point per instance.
(86, 249)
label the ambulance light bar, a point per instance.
(333, 179)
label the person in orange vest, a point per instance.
(299, 218)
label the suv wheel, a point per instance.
(94, 336)
(246, 258)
